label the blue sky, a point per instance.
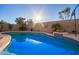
(9, 12)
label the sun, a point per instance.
(37, 17)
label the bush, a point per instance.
(56, 27)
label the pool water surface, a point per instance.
(40, 44)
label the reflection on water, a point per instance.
(33, 41)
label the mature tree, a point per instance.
(65, 13)
(29, 21)
(21, 22)
(1, 25)
(10, 26)
(4, 26)
(30, 24)
(60, 15)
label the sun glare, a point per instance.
(38, 17)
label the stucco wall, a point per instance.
(68, 25)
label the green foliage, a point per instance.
(56, 27)
(10, 26)
(3, 25)
(20, 21)
(60, 15)
(29, 21)
(20, 25)
(64, 14)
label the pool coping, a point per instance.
(68, 35)
(64, 34)
(4, 41)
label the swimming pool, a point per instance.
(27, 43)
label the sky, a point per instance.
(45, 12)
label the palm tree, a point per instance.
(20, 21)
(65, 13)
(60, 15)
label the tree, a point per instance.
(10, 26)
(22, 24)
(60, 15)
(67, 12)
(4, 26)
(64, 14)
(29, 23)
(1, 25)
(56, 27)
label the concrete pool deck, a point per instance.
(65, 34)
(4, 41)
(72, 36)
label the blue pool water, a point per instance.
(41, 44)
